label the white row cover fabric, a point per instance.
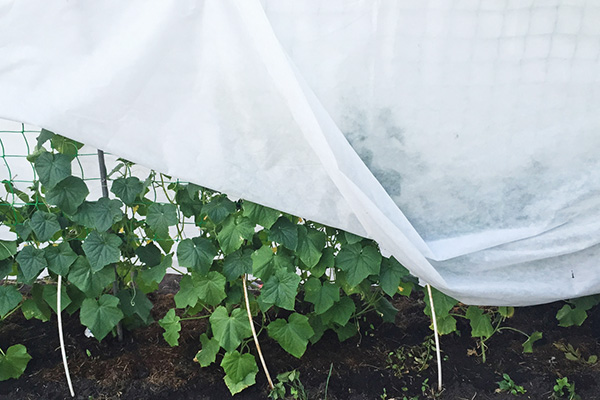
(462, 136)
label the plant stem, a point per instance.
(250, 320)
(192, 318)
(328, 377)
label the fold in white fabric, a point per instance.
(462, 137)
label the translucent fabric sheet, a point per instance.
(462, 136)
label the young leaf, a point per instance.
(43, 137)
(391, 275)
(170, 323)
(85, 279)
(32, 262)
(52, 168)
(292, 334)
(44, 224)
(528, 344)
(322, 296)
(127, 189)
(9, 299)
(310, 245)
(358, 262)
(285, 232)
(280, 289)
(197, 254)
(101, 249)
(65, 145)
(14, 362)
(481, 324)
(260, 215)
(237, 263)
(100, 316)
(236, 229)
(240, 371)
(68, 194)
(60, 258)
(208, 354)
(219, 208)
(230, 330)
(99, 215)
(568, 316)
(160, 217)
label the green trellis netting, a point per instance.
(462, 137)
(19, 177)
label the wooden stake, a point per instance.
(260, 355)
(437, 339)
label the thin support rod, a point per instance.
(260, 355)
(61, 339)
(437, 338)
(104, 183)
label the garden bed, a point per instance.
(379, 363)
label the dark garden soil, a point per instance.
(143, 366)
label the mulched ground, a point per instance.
(143, 366)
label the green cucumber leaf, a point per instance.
(391, 275)
(481, 324)
(293, 334)
(240, 371)
(208, 354)
(8, 248)
(358, 262)
(85, 279)
(260, 215)
(52, 168)
(13, 362)
(237, 263)
(160, 217)
(230, 330)
(9, 299)
(127, 189)
(60, 258)
(236, 229)
(311, 243)
(170, 323)
(44, 225)
(285, 232)
(196, 254)
(68, 194)
(31, 262)
(102, 249)
(323, 296)
(280, 290)
(100, 316)
(99, 215)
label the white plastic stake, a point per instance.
(437, 339)
(60, 335)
